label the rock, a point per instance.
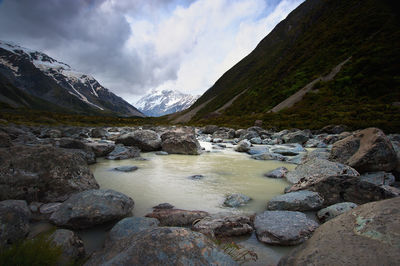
(126, 168)
(164, 206)
(162, 246)
(92, 207)
(296, 201)
(298, 159)
(42, 173)
(217, 140)
(286, 228)
(5, 140)
(279, 172)
(196, 177)
(176, 217)
(161, 153)
(69, 143)
(130, 226)
(334, 210)
(224, 226)
(14, 221)
(249, 135)
(210, 129)
(286, 149)
(300, 137)
(315, 143)
(268, 156)
(49, 208)
(254, 150)
(180, 143)
(335, 189)
(396, 147)
(368, 150)
(243, 146)
(367, 235)
(224, 133)
(99, 132)
(71, 245)
(256, 140)
(34, 206)
(333, 129)
(145, 140)
(51, 133)
(317, 154)
(319, 168)
(101, 149)
(121, 152)
(236, 200)
(378, 178)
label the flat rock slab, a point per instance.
(130, 226)
(176, 217)
(126, 169)
(334, 210)
(296, 201)
(286, 228)
(224, 226)
(162, 246)
(367, 235)
(92, 207)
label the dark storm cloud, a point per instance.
(88, 34)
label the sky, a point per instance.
(134, 46)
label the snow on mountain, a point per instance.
(17, 65)
(163, 102)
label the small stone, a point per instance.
(279, 172)
(236, 200)
(126, 168)
(196, 177)
(164, 206)
(161, 153)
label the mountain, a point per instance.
(329, 61)
(159, 103)
(34, 80)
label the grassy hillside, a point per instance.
(314, 38)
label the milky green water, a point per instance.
(162, 179)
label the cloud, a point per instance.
(132, 47)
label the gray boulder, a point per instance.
(130, 226)
(180, 143)
(162, 246)
(42, 173)
(266, 156)
(300, 137)
(224, 133)
(367, 235)
(279, 172)
(319, 168)
(164, 206)
(126, 169)
(71, 245)
(288, 149)
(335, 189)
(121, 152)
(49, 208)
(378, 178)
(14, 221)
(176, 217)
(210, 129)
(334, 210)
(145, 140)
(101, 149)
(236, 200)
(256, 140)
(286, 228)
(368, 150)
(92, 207)
(224, 226)
(243, 146)
(99, 132)
(296, 201)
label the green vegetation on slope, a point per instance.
(314, 38)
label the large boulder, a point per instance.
(180, 143)
(130, 226)
(378, 178)
(71, 246)
(334, 210)
(92, 207)
(367, 235)
(319, 168)
(286, 228)
(162, 246)
(210, 129)
(14, 221)
(296, 201)
(300, 137)
(99, 132)
(121, 152)
(101, 149)
(224, 226)
(145, 140)
(224, 133)
(335, 189)
(368, 150)
(176, 217)
(243, 146)
(43, 173)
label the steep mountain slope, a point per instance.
(314, 39)
(38, 76)
(159, 103)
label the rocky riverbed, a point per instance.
(332, 172)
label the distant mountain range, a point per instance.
(32, 79)
(328, 62)
(159, 103)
